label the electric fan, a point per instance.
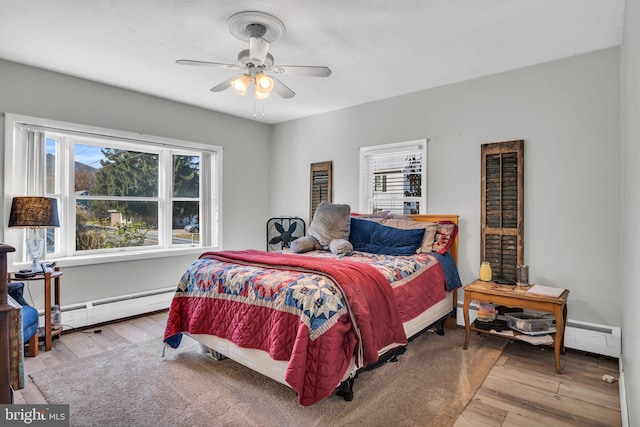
(282, 231)
(259, 29)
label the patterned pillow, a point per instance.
(445, 236)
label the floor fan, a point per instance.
(282, 231)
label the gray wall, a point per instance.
(35, 92)
(568, 113)
(631, 209)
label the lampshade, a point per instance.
(263, 86)
(241, 84)
(258, 94)
(34, 212)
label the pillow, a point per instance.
(369, 236)
(330, 221)
(379, 214)
(361, 231)
(399, 216)
(304, 244)
(406, 224)
(379, 220)
(445, 235)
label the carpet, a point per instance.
(429, 385)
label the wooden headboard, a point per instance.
(435, 218)
(451, 322)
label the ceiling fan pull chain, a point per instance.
(255, 108)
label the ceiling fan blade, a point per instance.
(258, 49)
(225, 84)
(282, 89)
(209, 64)
(302, 70)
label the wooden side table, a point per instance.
(47, 278)
(516, 297)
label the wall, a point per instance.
(568, 113)
(631, 209)
(39, 93)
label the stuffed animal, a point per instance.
(329, 230)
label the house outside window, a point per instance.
(393, 178)
(117, 192)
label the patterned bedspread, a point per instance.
(315, 310)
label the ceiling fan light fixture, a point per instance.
(241, 84)
(263, 85)
(264, 82)
(258, 94)
(260, 30)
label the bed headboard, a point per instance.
(435, 218)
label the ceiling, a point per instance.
(376, 49)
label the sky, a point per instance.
(89, 155)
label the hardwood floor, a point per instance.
(521, 390)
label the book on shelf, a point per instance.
(537, 340)
(545, 291)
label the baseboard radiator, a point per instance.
(106, 310)
(584, 336)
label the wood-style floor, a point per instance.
(524, 390)
(521, 390)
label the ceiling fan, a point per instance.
(259, 29)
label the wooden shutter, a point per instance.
(502, 207)
(321, 186)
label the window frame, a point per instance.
(17, 164)
(419, 145)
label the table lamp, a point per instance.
(34, 213)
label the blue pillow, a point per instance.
(360, 232)
(369, 236)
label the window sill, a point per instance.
(106, 258)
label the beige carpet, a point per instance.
(429, 386)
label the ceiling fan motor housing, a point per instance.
(245, 58)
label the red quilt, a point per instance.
(216, 302)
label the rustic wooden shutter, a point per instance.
(321, 186)
(502, 206)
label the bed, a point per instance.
(313, 320)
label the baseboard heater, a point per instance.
(584, 336)
(106, 310)
(590, 337)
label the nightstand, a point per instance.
(46, 278)
(517, 297)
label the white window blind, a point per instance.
(393, 178)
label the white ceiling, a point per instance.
(376, 49)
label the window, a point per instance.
(117, 192)
(393, 178)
